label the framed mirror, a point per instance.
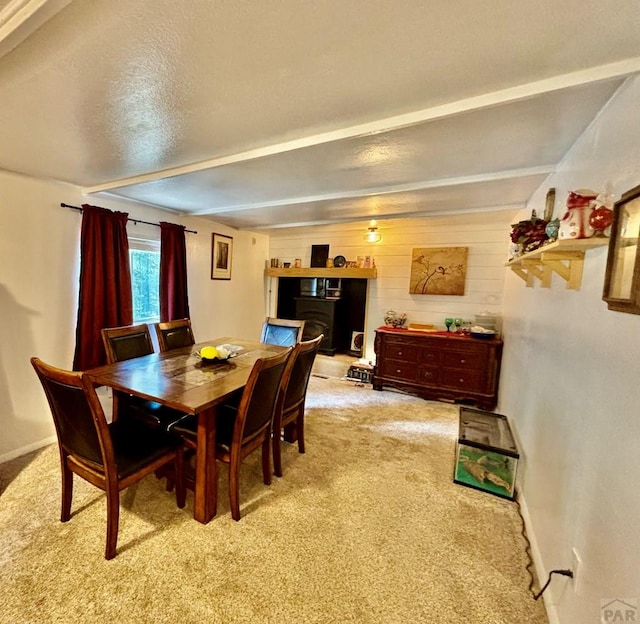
(622, 276)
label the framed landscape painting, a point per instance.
(438, 271)
(221, 252)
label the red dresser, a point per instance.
(450, 367)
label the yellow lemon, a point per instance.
(208, 353)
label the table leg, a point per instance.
(206, 488)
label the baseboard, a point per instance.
(26, 449)
(538, 564)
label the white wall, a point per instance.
(483, 234)
(39, 284)
(570, 384)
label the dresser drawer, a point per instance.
(429, 357)
(429, 375)
(463, 360)
(466, 380)
(397, 369)
(400, 351)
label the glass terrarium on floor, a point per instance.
(487, 456)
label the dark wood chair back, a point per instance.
(253, 423)
(125, 343)
(243, 429)
(76, 414)
(283, 332)
(297, 387)
(110, 456)
(174, 334)
(258, 402)
(290, 416)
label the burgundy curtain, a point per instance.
(105, 282)
(174, 299)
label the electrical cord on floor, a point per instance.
(568, 573)
(527, 548)
(529, 566)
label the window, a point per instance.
(144, 258)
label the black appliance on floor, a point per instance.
(322, 316)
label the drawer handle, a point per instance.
(462, 361)
(398, 371)
(461, 380)
(399, 352)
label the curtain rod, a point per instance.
(136, 221)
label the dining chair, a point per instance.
(242, 430)
(283, 332)
(174, 334)
(290, 415)
(111, 456)
(125, 343)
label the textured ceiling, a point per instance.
(278, 113)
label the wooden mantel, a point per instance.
(322, 272)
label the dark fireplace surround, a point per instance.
(336, 318)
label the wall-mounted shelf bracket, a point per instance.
(565, 258)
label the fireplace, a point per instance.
(322, 316)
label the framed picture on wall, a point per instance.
(438, 271)
(319, 255)
(622, 276)
(221, 252)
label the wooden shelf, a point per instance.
(322, 272)
(564, 257)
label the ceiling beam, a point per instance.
(513, 207)
(21, 18)
(385, 190)
(496, 98)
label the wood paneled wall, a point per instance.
(485, 234)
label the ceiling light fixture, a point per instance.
(372, 235)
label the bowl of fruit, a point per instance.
(213, 354)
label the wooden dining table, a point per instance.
(181, 380)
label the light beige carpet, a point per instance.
(366, 527)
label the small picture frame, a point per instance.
(221, 253)
(319, 255)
